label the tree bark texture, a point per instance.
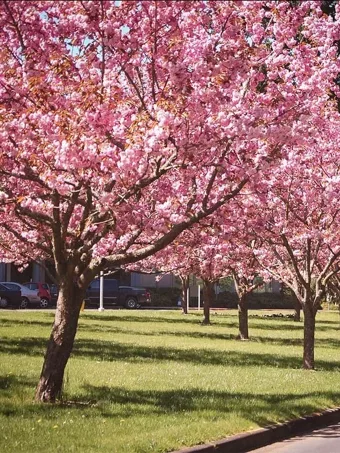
(243, 317)
(309, 337)
(184, 298)
(297, 311)
(208, 299)
(60, 344)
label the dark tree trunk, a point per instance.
(184, 298)
(243, 317)
(208, 299)
(60, 344)
(309, 336)
(297, 311)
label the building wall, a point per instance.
(2, 272)
(153, 280)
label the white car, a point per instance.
(28, 296)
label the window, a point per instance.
(94, 284)
(13, 286)
(110, 285)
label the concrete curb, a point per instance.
(241, 443)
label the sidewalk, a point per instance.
(241, 443)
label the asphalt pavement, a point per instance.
(325, 440)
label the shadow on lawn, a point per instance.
(9, 381)
(268, 324)
(122, 402)
(114, 351)
(29, 346)
(205, 334)
(110, 351)
(192, 319)
(27, 322)
(321, 342)
(259, 408)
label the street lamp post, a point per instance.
(101, 291)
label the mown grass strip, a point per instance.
(153, 381)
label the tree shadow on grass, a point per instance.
(296, 327)
(116, 351)
(273, 326)
(259, 408)
(122, 402)
(16, 399)
(192, 319)
(205, 333)
(321, 342)
(109, 351)
(18, 322)
(284, 319)
(29, 346)
(11, 380)
(327, 322)
(93, 349)
(202, 334)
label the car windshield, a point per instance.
(31, 285)
(12, 286)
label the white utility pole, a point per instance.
(101, 291)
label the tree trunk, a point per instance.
(297, 311)
(184, 299)
(60, 344)
(243, 317)
(208, 299)
(309, 336)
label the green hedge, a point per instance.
(168, 297)
(164, 297)
(257, 300)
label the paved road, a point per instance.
(325, 440)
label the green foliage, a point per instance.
(155, 381)
(226, 284)
(164, 297)
(286, 300)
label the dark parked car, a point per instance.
(114, 294)
(9, 297)
(43, 292)
(28, 296)
(54, 290)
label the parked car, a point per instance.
(114, 294)
(54, 291)
(28, 296)
(43, 292)
(9, 297)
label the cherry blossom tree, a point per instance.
(244, 269)
(195, 252)
(176, 259)
(222, 250)
(300, 226)
(206, 253)
(124, 124)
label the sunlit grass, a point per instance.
(153, 381)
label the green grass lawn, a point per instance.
(155, 381)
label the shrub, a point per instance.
(164, 297)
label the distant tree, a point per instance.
(299, 224)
